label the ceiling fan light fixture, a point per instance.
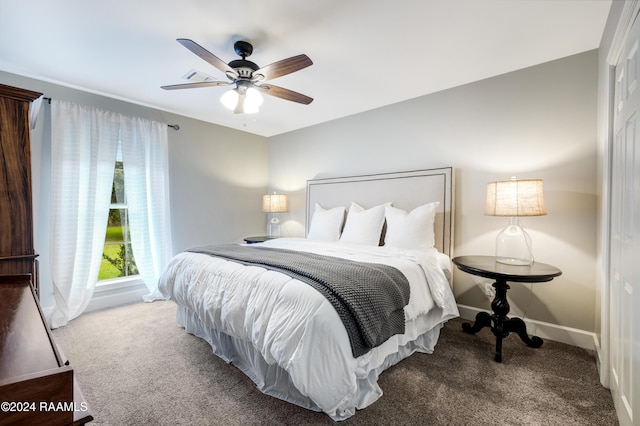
(244, 99)
(252, 101)
(230, 99)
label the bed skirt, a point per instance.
(273, 380)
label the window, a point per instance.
(117, 257)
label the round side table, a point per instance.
(501, 325)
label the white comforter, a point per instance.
(291, 324)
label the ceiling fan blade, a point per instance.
(283, 67)
(207, 56)
(287, 94)
(196, 85)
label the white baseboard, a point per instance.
(544, 330)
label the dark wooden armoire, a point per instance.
(37, 384)
(17, 253)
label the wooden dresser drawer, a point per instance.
(36, 384)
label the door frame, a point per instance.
(627, 17)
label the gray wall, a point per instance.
(538, 122)
(217, 175)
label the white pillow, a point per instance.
(412, 230)
(326, 224)
(364, 226)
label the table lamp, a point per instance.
(275, 203)
(514, 198)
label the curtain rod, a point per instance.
(173, 126)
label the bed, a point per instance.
(295, 314)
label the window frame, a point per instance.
(114, 283)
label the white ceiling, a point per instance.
(366, 53)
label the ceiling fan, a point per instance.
(247, 77)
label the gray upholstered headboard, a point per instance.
(406, 190)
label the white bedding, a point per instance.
(293, 326)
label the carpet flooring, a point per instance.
(136, 366)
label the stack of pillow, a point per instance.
(408, 230)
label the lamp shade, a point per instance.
(252, 101)
(230, 99)
(515, 198)
(275, 203)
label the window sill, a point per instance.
(117, 292)
(118, 283)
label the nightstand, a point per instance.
(501, 325)
(258, 239)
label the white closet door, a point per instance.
(625, 235)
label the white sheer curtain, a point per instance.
(146, 183)
(84, 149)
(84, 143)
